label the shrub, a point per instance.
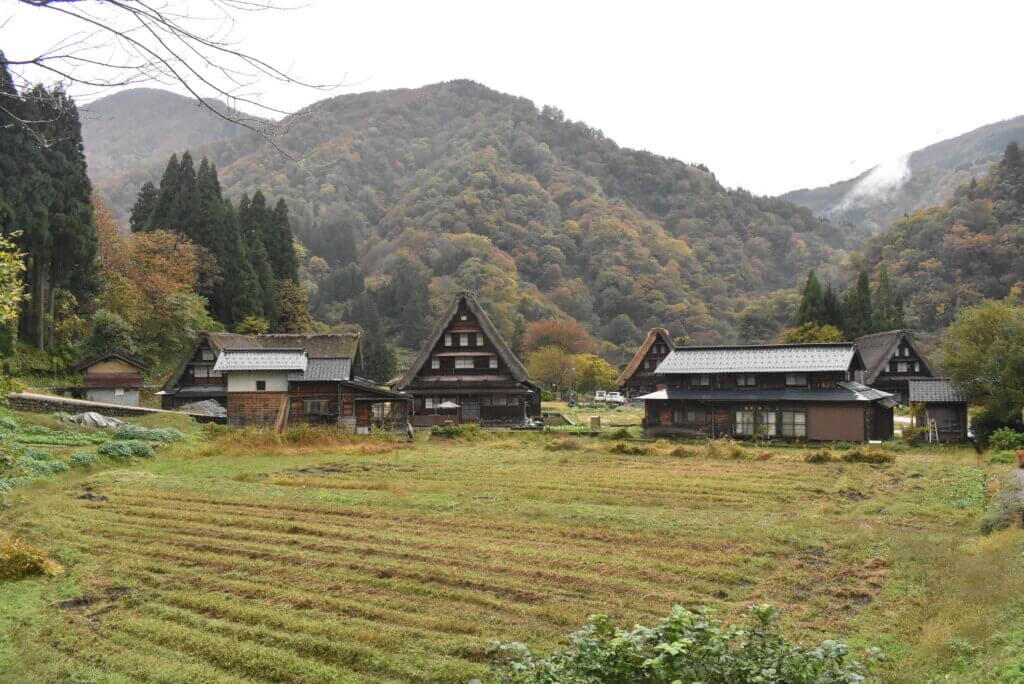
(819, 456)
(36, 454)
(987, 423)
(687, 646)
(32, 467)
(629, 450)
(19, 559)
(868, 455)
(162, 435)
(562, 445)
(84, 460)
(8, 423)
(63, 438)
(1006, 439)
(62, 416)
(1007, 507)
(1002, 457)
(620, 433)
(141, 450)
(117, 451)
(453, 431)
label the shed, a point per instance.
(111, 377)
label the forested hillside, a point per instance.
(876, 198)
(954, 255)
(457, 186)
(135, 130)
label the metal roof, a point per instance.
(838, 394)
(773, 358)
(324, 370)
(261, 360)
(935, 390)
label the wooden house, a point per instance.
(788, 391)
(895, 363)
(111, 377)
(943, 408)
(196, 379)
(286, 379)
(638, 376)
(891, 360)
(467, 373)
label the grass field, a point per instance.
(369, 562)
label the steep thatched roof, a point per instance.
(638, 358)
(877, 348)
(515, 366)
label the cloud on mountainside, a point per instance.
(882, 181)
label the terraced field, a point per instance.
(376, 563)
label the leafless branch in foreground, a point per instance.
(132, 42)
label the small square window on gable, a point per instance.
(463, 317)
(261, 385)
(463, 339)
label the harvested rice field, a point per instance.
(374, 562)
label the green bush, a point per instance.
(620, 433)
(819, 456)
(1006, 439)
(912, 434)
(1007, 507)
(687, 646)
(63, 438)
(36, 454)
(32, 467)
(868, 455)
(137, 432)
(36, 430)
(1002, 457)
(117, 451)
(466, 431)
(141, 450)
(8, 423)
(84, 460)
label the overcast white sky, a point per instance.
(772, 96)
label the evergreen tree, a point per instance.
(888, 308)
(405, 300)
(812, 302)
(857, 309)
(145, 203)
(378, 357)
(163, 209)
(292, 308)
(280, 243)
(254, 218)
(363, 312)
(832, 307)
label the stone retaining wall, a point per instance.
(45, 403)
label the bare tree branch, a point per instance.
(128, 42)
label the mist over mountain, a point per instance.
(927, 177)
(480, 190)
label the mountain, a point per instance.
(925, 178)
(474, 189)
(958, 253)
(140, 128)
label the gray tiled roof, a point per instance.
(779, 358)
(838, 393)
(324, 370)
(935, 390)
(261, 359)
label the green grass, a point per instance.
(250, 559)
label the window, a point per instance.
(695, 416)
(200, 371)
(429, 403)
(746, 381)
(479, 340)
(794, 424)
(492, 362)
(796, 379)
(463, 362)
(119, 392)
(677, 416)
(216, 373)
(463, 317)
(700, 380)
(316, 407)
(261, 385)
(447, 340)
(901, 367)
(207, 355)
(435, 363)
(917, 367)
(744, 422)
(463, 339)
(497, 400)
